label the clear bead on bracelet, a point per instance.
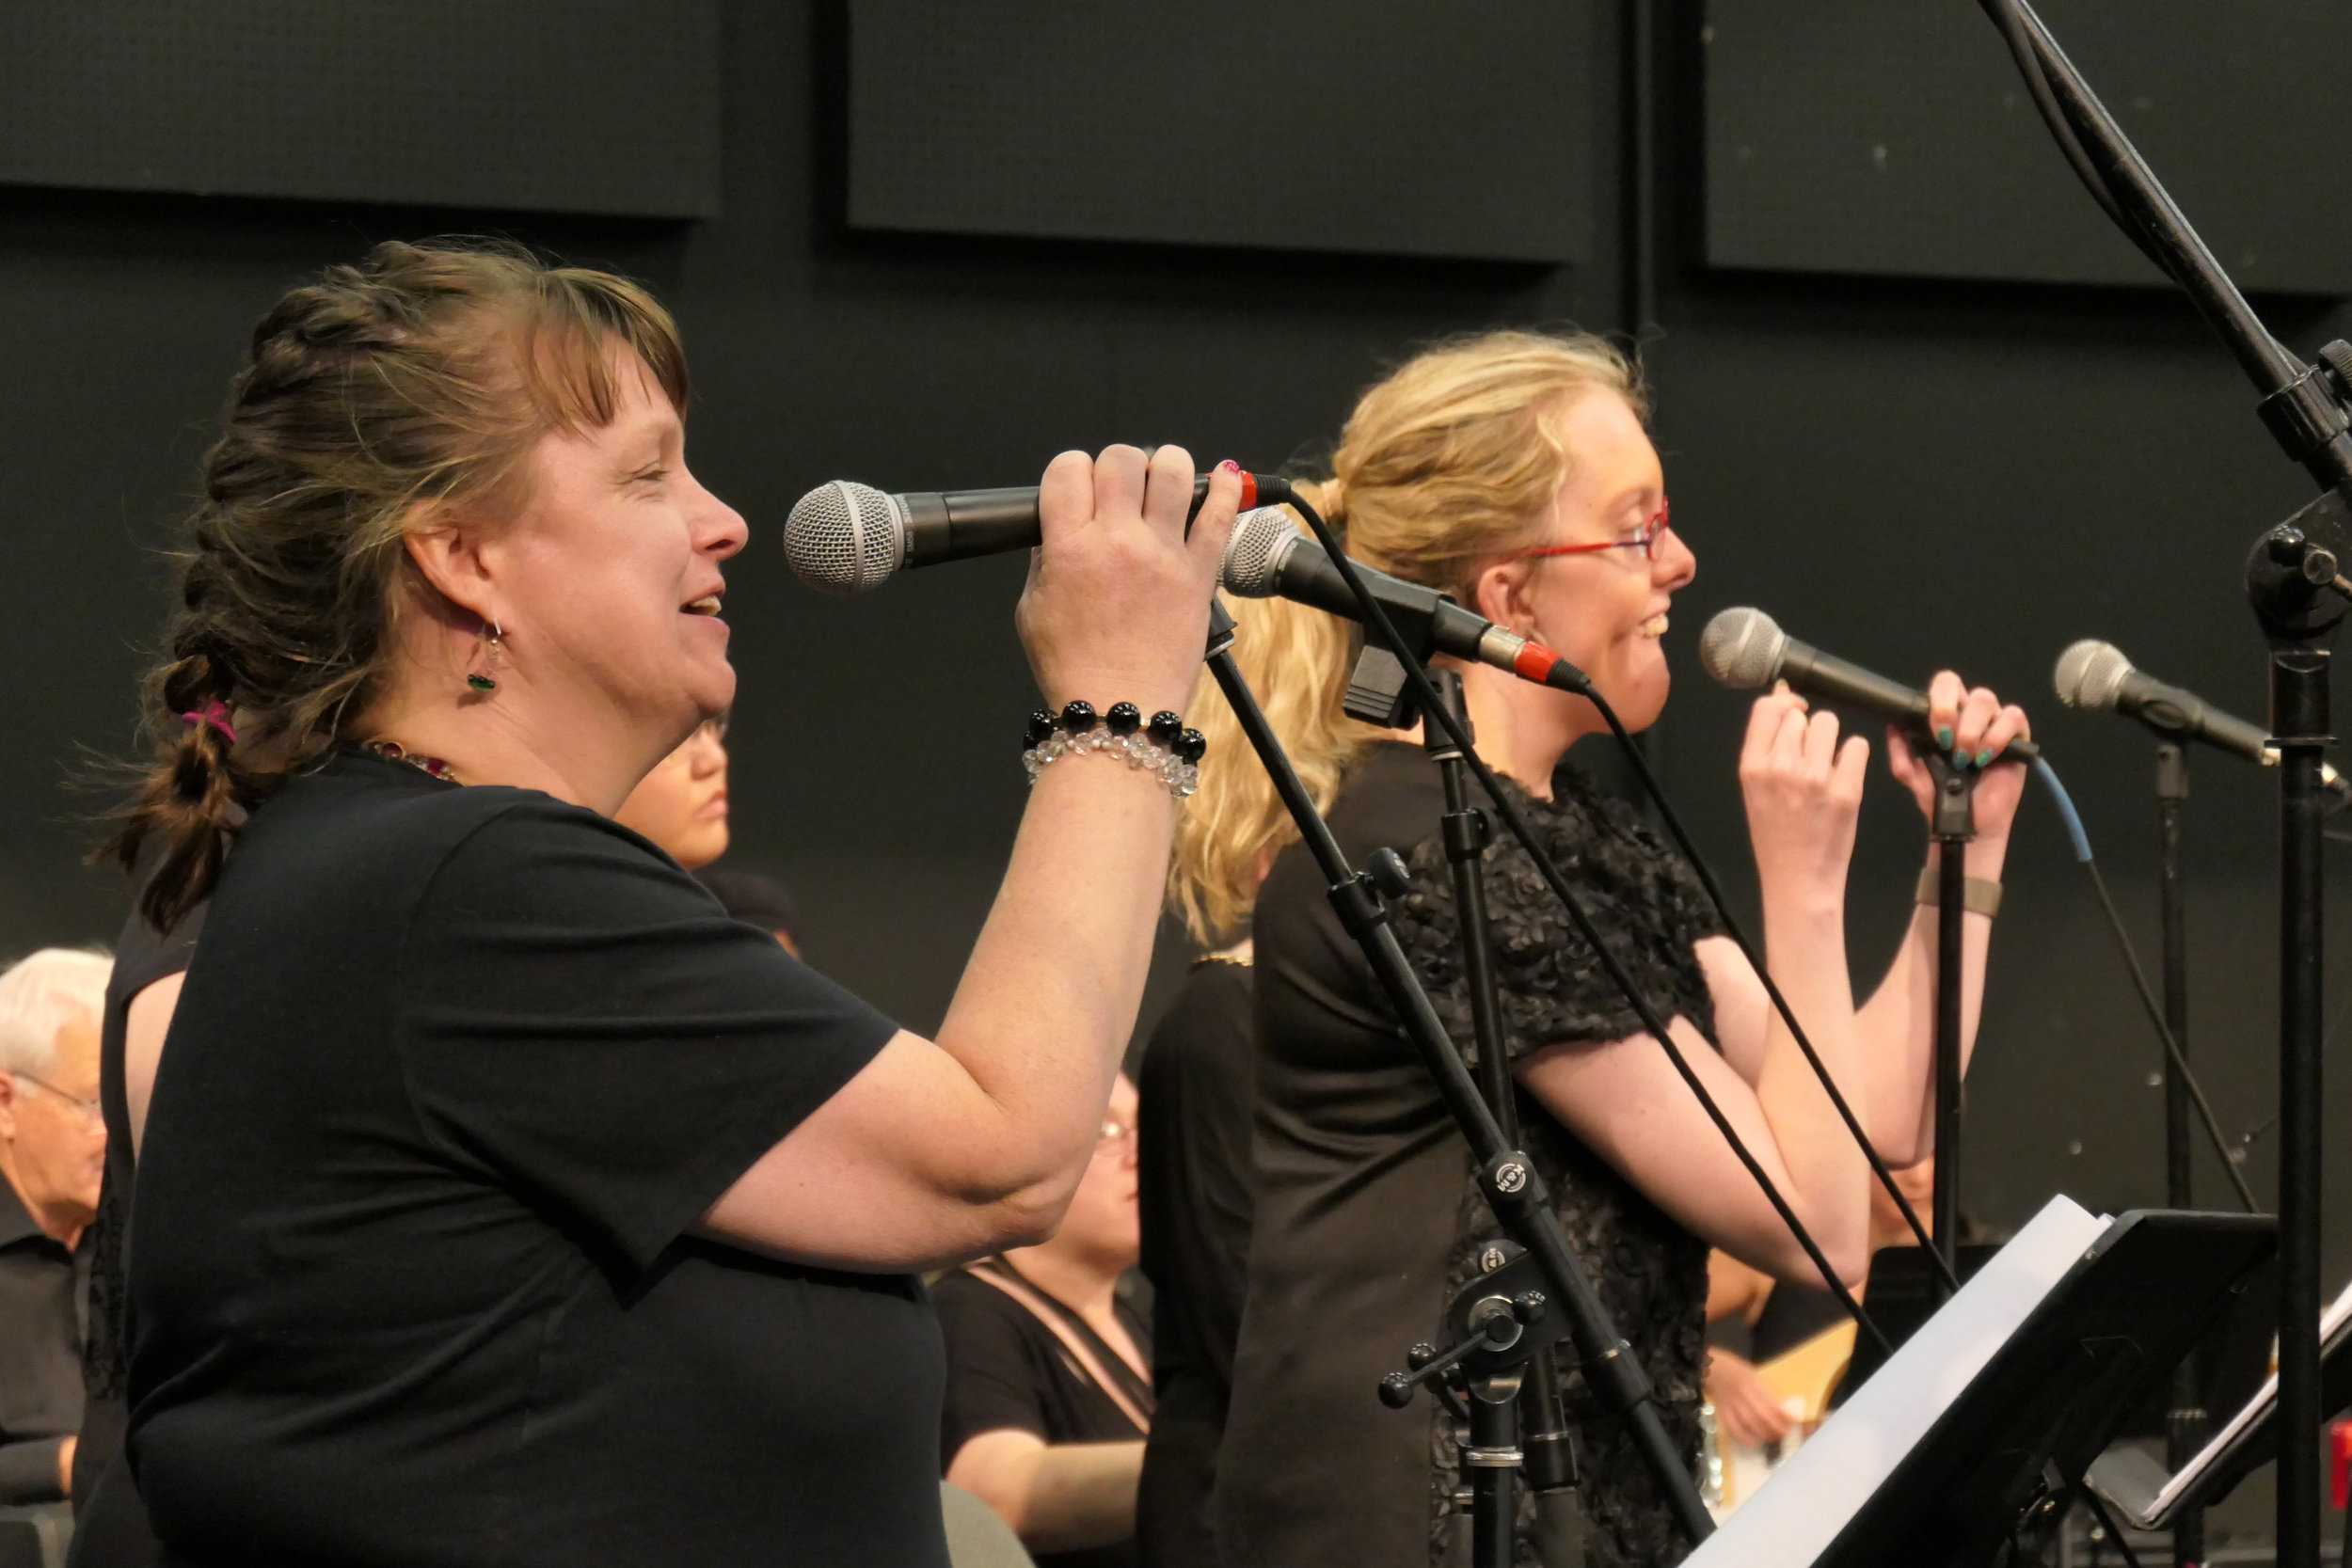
(1164, 747)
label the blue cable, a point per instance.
(2065, 803)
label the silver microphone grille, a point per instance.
(1742, 647)
(1255, 551)
(2090, 674)
(844, 538)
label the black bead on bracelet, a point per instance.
(1163, 745)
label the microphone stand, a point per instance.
(1514, 1191)
(2184, 1422)
(1953, 827)
(2289, 582)
(1550, 1464)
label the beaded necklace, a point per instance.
(393, 751)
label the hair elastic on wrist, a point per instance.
(1169, 751)
(214, 713)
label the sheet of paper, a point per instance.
(1792, 1520)
(2265, 1397)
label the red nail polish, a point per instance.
(1229, 467)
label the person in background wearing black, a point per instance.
(1049, 1392)
(52, 1150)
(1199, 1074)
(1515, 471)
(500, 1201)
(756, 899)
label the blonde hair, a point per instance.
(1449, 465)
(1295, 659)
(39, 995)
(424, 374)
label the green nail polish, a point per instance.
(1943, 737)
(1983, 757)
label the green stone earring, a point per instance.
(489, 651)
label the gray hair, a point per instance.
(39, 995)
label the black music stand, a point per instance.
(2132, 1479)
(1998, 1466)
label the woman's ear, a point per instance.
(449, 560)
(1499, 592)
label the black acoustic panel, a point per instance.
(1863, 136)
(1394, 127)
(604, 107)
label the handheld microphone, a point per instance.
(2096, 675)
(844, 538)
(1745, 649)
(1268, 558)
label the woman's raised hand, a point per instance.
(1116, 606)
(1970, 724)
(1804, 791)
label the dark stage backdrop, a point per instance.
(1904, 471)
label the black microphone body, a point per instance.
(1744, 648)
(847, 538)
(2171, 711)
(1268, 558)
(958, 524)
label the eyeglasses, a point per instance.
(1649, 540)
(91, 1111)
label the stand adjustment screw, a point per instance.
(1396, 1390)
(1528, 1305)
(1388, 873)
(1420, 1355)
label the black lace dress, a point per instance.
(1367, 1216)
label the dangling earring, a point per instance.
(489, 652)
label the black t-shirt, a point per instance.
(1009, 1371)
(453, 1072)
(1367, 1212)
(110, 1524)
(44, 1291)
(1198, 1091)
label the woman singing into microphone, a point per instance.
(500, 1200)
(1513, 470)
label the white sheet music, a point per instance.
(2265, 1397)
(1809, 1500)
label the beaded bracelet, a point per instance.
(1171, 751)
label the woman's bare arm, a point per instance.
(953, 1149)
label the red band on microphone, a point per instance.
(1534, 663)
(1249, 490)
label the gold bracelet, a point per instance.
(1978, 898)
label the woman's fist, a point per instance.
(1803, 789)
(1972, 727)
(1116, 606)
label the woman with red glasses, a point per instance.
(1514, 471)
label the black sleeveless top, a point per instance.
(1367, 1214)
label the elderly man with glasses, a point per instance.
(52, 1150)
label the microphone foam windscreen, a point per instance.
(1742, 647)
(844, 538)
(1254, 552)
(2090, 674)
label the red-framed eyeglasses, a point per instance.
(1649, 541)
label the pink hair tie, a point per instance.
(215, 714)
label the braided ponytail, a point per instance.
(424, 374)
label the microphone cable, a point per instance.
(2081, 842)
(1376, 618)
